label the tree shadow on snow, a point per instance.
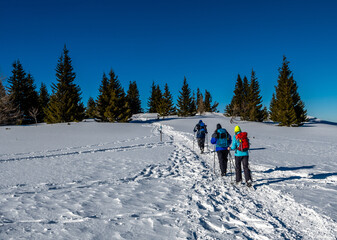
(268, 181)
(153, 120)
(322, 175)
(289, 168)
(275, 180)
(261, 148)
(318, 121)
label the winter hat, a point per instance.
(200, 121)
(237, 129)
(218, 126)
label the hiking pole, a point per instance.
(214, 160)
(230, 164)
(193, 140)
(161, 133)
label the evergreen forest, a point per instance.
(22, 103)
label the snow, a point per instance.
(94, 180)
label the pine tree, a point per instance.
(65, 103)
(8, 112)
(91, 108)
(133, 98)
(118, 109)
(244, 111)
(208, 103)
(166, 106)
(103, 98)
(22, 90)
(198, 99)
(32, 96)
(201, 104)
(254, 100)
(235, 107)
(185, 101)
(214, 107)
(193, 108)
(286, 106)
(154, 99)
(43, 101)
(273, 109)
(208, 100)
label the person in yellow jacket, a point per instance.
(239, 144)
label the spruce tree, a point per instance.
(133, 98)
(9, 113)
(193, 108)
(118, 109)
(201, 104)
(43, 101)
(273, 109)
(286, 106)
(32, 96)
(208, 103)
(254, 100)
(158, 97)
(103, 98)
(22, 90)
(244, 111)
(199, 95)
(90, 111)
(155, 98)
(166, 106)
(65, 102)
(185, 101)
(235, 107)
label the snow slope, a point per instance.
(118, 181)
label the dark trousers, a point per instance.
(244, 161)
(201, 143)
(223, 159)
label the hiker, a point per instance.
(223, 140)
(201, 130)
(241, 146)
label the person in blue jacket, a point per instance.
(223, 140)
(241, 157)
(201, 129)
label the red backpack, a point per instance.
(243, 142)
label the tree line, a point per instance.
(22, 103)
(286, 106)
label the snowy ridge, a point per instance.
(118, 181)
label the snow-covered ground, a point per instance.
(94, 180)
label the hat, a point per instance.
(237, 129)
(200, 121)
(218, 126)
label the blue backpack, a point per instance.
(201, 130)
(223, 138)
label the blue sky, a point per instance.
(209, 42)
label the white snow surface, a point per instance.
(93, 180)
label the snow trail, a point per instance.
(262, 214)
(141, 188)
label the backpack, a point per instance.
(243, 141)
(201, 130)
(223, 138)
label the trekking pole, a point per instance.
(230, 165)
(161, 133)
(207, 142)
(214, 160)
(193, 140)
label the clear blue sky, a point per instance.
(209, 42)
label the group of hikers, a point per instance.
(223, 144)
